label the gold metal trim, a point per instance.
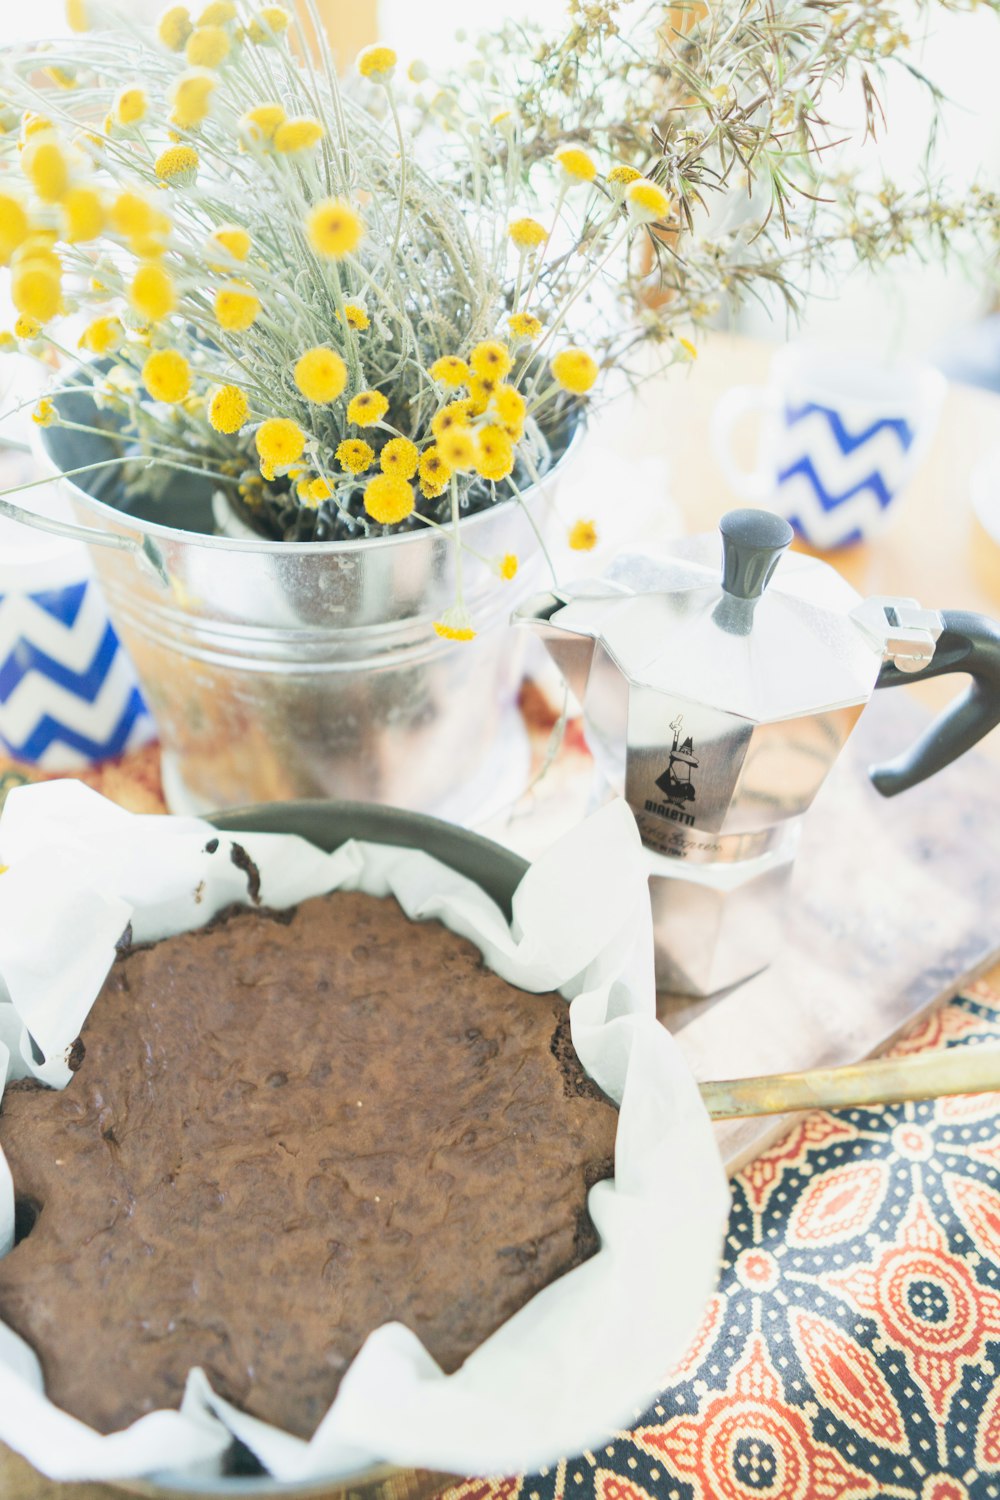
(885, 1080)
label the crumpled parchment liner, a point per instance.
(585, 1354)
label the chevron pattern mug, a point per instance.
(840, 438)
(68, 694)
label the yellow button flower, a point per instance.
(236, 308)
(481, 389)
(191, 98)
(647, 202)
(228, 408)
(582, 536)
(507, 566)
(90, 143)
(174, 27)
(13, 226)
(269, 24)
(527, 234)
(280, 442)
(44, 413)
(524, 325)
(77, 17)
(83, 215)
(367, 408)
(39, 245)
(354, 316)
(46, 165)
(434, 472)
(298, 134)
(575, 370)
(61, 76)
(455, 625)
(495, 458)
(450, 370)
(118, 385)
(207, 46)
(459, 448)
(618, 180)
(490, 360)
(319, 490)
(152, 292)
(320, 374)
(260, 123)
(355, 456)
(218, 13)
(130, 214)
(231, 239)
(178, 165)
(102, 335)
(388, 499)
(151, 241)
(33, 124)
(510, 407)
(575, 164)
(167, 376)
(399, 457)
(130, 105)
(455, 414)
(27, 328)
(377, 63)
(334, 229)
(36, 289)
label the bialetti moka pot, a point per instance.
(715, 701)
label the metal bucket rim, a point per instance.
(123, 521)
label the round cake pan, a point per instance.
(498, 871)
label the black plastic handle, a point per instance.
(968, 643)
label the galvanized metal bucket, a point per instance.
(279, 670)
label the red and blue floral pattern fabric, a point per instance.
(853, 1345)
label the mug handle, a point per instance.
(968, 643)
(753, 485)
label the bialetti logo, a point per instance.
(675, 782)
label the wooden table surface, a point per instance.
(932, 551)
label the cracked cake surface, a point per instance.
(285, 1130)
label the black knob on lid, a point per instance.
(752, 544)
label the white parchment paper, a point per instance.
(585, 1354)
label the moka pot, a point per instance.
(715, 700)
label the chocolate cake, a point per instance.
(283, 1131)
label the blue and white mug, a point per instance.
(68, 692)
(841, 436)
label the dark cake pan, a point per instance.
(498, 871)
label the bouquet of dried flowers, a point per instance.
(368, 306)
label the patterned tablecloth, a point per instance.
(852, 1347)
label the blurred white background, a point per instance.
(916, 309)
